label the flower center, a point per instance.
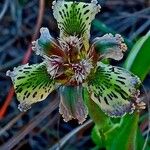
(81, 71)
(68, 73)
(74, 66)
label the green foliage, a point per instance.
(102, 27)
(123, 134)
(138, 60)
(96, 137)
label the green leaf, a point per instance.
(138, 60)
(96, 137)
(127, 135)
(123, 133)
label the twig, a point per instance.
(137, 13)
(11, 123)
(10, 63)
(140, 30)
(25, 58)
(118, 2)
(38, 25)
(62, 142)
(30, 126)
(10, 42)
(55, 117)
(6, 4)
(19, 146)
(6, 102)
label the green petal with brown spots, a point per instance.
(114, 90)
(74, 18)
(32, 84)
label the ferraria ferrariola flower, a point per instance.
(73, 62)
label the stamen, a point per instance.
(72, 41)
(81, 71)
(53, 64)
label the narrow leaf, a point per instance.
(138, 60)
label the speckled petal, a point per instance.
(114, 90)
(109, 46)
(74, 18)
(32, 84)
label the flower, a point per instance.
(72, 63)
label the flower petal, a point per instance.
(109, 46)
(32, 84)
(114, 90)
(74, 18)
(46, 44)
(71, 104)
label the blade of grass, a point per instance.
(63, 141)
(138, 60)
